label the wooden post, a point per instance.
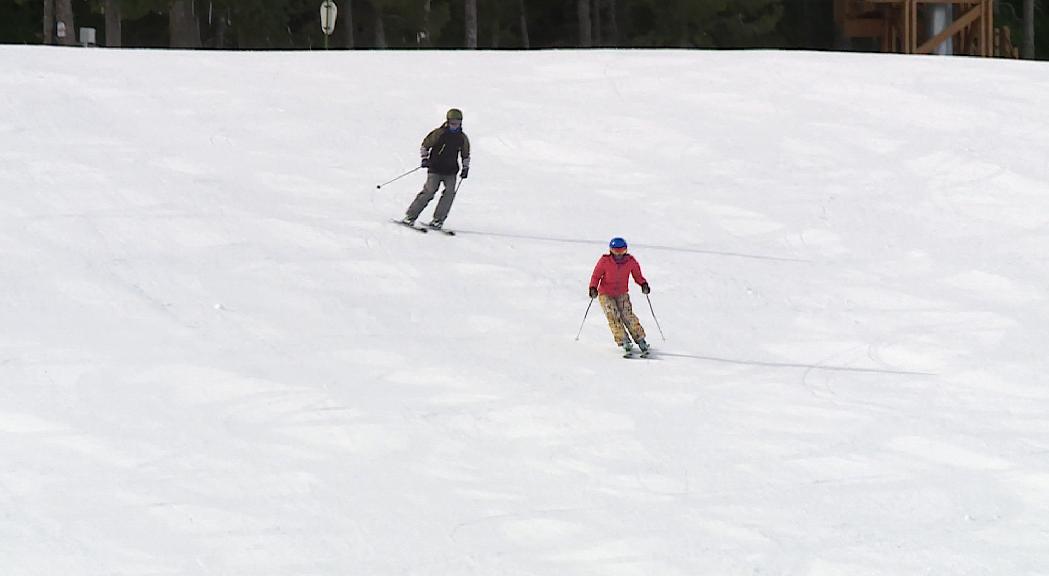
(912, 10)
(985, 38)
(886, 34)
(989, 24)
(905, 10)
(912, 14)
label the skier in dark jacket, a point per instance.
(440, 156)
(611, 281)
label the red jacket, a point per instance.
(613, 278)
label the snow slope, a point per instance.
(218, 358)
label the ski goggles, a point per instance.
(618, 251)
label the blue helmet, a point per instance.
(617, 242)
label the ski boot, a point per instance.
(643, 346)
(435, 224)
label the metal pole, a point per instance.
(585, 314)
(653, 311)
(399, 177)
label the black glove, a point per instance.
(466, 172)
(645, 289)
(593, 292)
(425, 163)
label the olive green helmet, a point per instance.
(454, 114)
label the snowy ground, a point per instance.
(218, 358)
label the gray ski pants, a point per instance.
(433, 182)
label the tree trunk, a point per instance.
(347, 24)
(113, 25)
(496, 30)
(613, 26)
(583, 12)
(182, 24)
(218, 41)
(596, 11)
(49, 21)
(64, 15)
(425, 43)
(682, 31)
(1029, 29)
(524, 27)
(380, 31)
(471, 24)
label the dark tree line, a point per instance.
(515, 24)
(294, 24)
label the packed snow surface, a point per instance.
(218, 357)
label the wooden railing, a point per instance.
(898, 24)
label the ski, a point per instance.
(444, 231)
(412, 226)
(423, 228)
(636, 353)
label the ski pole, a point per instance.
(654, 317)
(587, 313)
(377, 186)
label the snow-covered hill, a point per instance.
(219, 358)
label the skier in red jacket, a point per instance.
(611, 281)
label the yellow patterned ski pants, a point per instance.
(620, 314)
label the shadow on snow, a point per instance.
(639, 245)
(826, 367)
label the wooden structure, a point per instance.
(1003, 44)
(899, 25)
